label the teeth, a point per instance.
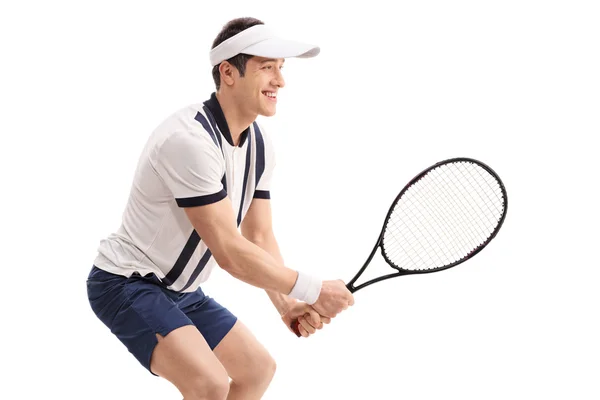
(270, 94)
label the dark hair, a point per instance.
(230, 29)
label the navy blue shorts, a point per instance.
(135, 309)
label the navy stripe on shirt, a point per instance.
(200, 118)
(260, 154)
(201, 200)
(213, 123)
(201, 264)
(183, 259)
(262, 194)
(218, 136)
(246, 173)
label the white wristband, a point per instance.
(307, 288)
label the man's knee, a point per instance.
(270, 368)
(261, 371)
(213, 388)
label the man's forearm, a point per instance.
(244, 260)
(249, 262)
(269, 244)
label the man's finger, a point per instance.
(302, 331)
(315, 318)
(304, 323)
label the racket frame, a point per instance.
(379, 244)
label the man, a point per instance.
(204, 172)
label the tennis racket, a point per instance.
(444, 216)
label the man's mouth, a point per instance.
(270, 95)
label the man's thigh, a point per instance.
(135, 309)
(185, 359)
(237, 349)
(212, 319)
(242, 355)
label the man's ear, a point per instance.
(227, 72)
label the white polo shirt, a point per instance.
(189, 160)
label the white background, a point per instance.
(513, 83)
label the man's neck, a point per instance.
(237, 121)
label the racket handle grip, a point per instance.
(295, 322)
(294, 327)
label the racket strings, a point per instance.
(433, 202)
(407, 243)
(488, 201)
(419, 244)
(466, 179)
(462, 239)
(455, 194)
(473, 231)
(401, 233)
(443, 217)
(445, 223)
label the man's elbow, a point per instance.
(229, 256)
(259, 238)
(225, 259)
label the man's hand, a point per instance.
(333, 299)
(309, 319)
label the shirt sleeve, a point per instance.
(263, 189)
(192, 167)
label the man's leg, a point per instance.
(184, 358)
(163, 339)
(247, 362)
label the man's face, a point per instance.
(260, 84)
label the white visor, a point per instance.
(259, 40)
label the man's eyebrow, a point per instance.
(271, 60)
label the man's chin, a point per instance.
(267, 113)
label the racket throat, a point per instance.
(352, 287)
(378, 279)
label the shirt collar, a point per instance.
(215, 109)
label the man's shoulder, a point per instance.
(188, 113)
(182, 128)
(190, 120)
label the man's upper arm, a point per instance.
(257, 224)
(192, 168)
(216, 225)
